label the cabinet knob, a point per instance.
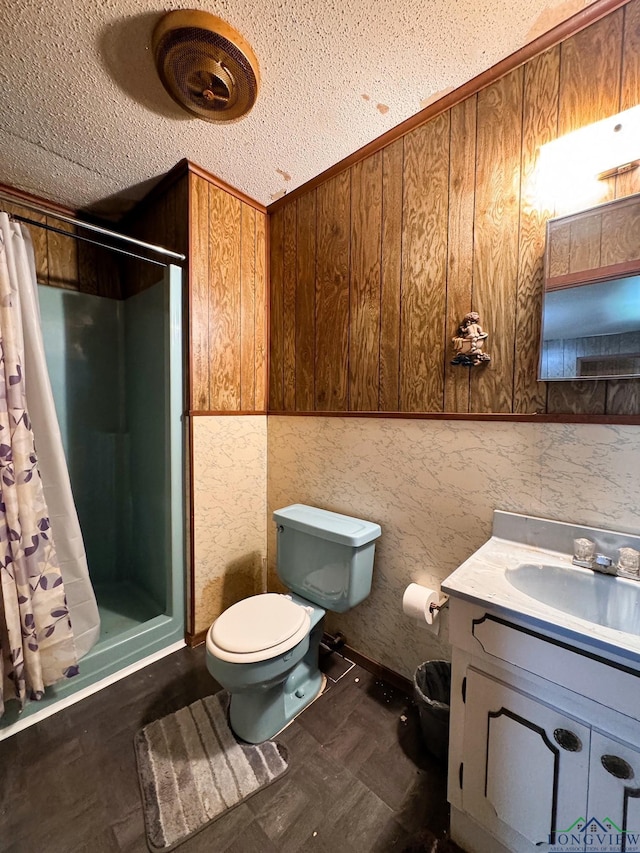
(567, 740)
(617, 766)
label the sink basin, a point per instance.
(604, 600)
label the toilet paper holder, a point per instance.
(433, 607)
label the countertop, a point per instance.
(481, 579)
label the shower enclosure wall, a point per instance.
(116, 370)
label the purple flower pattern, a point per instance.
(36, 638)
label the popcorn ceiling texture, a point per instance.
(84, 117)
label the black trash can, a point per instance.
(432, 691)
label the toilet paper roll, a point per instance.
(417, 601)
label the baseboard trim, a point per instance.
(372, 666)
(193, 640)
(380, 670)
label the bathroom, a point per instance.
(265, 344)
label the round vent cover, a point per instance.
(205, 65)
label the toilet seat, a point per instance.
(258, 628)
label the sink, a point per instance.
(604, 600)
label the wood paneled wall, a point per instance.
(66, 262)
(228, 301)
(373, 270)
(224, 238)
(162, 218)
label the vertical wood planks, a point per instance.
(496, 237)
(424, 262)
(630, 90)
(332, 294)
(444, 220)
(586, 235)
(460, 246)
(38, 238)
(366, 236)
(261, 299)
(391, 275)
(623, 395)
(540, 121)
(224, 300)
(62, 254)
(621, 233)
(276, 314)
(590, 72)
(595, 54)
(199, 286)
(305, 302)
(289, 307)
(247, 308)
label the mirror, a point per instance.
(591, 303)
(592, 331)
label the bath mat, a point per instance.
(192, 770)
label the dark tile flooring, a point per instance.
(359, 777)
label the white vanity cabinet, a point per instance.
(614, 785)
(514, 771)
(545, 741)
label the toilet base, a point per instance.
(257, 715)
(323, 687)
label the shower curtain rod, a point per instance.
(89, 227)
(28, 221)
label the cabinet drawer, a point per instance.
(608, 683)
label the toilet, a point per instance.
(265, 649)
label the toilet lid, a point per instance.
(257, 623)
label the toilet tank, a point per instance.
(325, 557)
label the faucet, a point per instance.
(628, 565)
(604, 564)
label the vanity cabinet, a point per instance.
(514, 771)
(535, 766)
(614, 785)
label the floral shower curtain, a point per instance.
(36, 639)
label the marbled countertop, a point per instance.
(482, 579)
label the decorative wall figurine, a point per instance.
(469, 341)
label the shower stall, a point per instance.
(116, 370)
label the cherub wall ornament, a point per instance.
(469, 341)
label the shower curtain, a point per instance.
(41, 551)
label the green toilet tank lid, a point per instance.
(328, 525)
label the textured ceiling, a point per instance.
(85, 121)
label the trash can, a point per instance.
(432, 692)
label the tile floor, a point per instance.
(360, 779)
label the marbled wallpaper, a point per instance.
(230, 513)
(432, 485)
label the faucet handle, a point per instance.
(583, 551)
(629, 562)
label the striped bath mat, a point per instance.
(192, 770)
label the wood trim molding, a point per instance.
(191, 569)
(378, 669)
(194, 169)
(22, 195)
(555, 418)
(564, 30)
(226, 412)
(593, 276)
(182, 168)
(193, 640)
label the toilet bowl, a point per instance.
(265, 649)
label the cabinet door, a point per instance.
(614, 792)
(525, 764)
